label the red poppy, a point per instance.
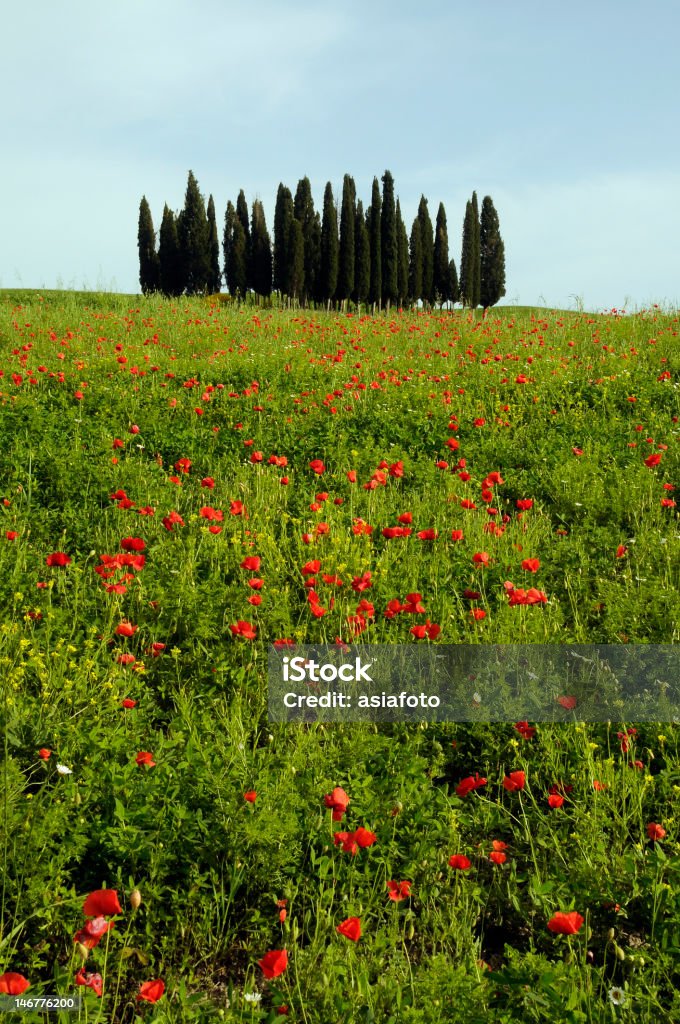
(430, 630)
(568, 703)
(317, 466)
(466, 786)
(497, 857)
(399, 890)
(207, 481)
(11, 535)
(44, 753)
(655, 832)
(653, 460)
(526, 731)
(57, 558)
(93, 981)
(244, 629)
(151, 991)
(338, 801)
(274, 963)
(478, 614)
(128, 703)
(350, 928)
(555, 800)
(125, 629)
(514, 781)
(480, 558)
(102, 902)
(460, 862)
(132, 544)
(524, 504)
(531, 565)
(145, 757)
(565, 923)
(347, 841)
(13, 984)
(430, 534)
(93, 932)
(250, 796)
(364, 837)
(251, 563)
(456, 534)
(621, 551)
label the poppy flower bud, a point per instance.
(82, 951)
(135, 899)
(610, 935)
(619, 952)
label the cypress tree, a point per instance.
(388, 242)
(441, 271)
(237, 259)
(149, 266)
(374, 218)
(295, 260)
(402, 258)
(313, 259)
(466, 257)
(329, 246)
(362, 257)
(227, 238)
(492, 256)
(346, 259)
(260, 252)
(214, 275)
(242, 214)
(415, 273)
(283, 218)
(427, 243)
(453, 282)
(303, 210)
(193, 239)
(169, 256)
(476, 254)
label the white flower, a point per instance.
(63, 770)
(617, 996)
(477, 698)
(252, 997)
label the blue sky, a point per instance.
(564, 113)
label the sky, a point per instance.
(565, 114)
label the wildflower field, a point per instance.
(184, 483)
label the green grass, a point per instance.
(211, 867)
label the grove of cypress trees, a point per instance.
(415, 272)
(214, 275)
(388, 242)
(260, 252)
(373, 216)
(362, 257)
(441, 275)
(427, 244)
(149, 265)
(492, 256)
(402, 258)
(171, 270)
(329, 246)
(283, 218)
(346, 256)
(193, 239)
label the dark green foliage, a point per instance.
(329, 246)
(295, 260)
(214, 275)
(453, 282)
(492, 256)
(283, 218)
(260, 252)
(470, 273)
(345, 285)
(402, 258)
(227, 238)
(362, 258)
(388, 241)
(171, 270)
(149, 266)
(373, 217)
(415, 273)
(441, 273)
(427, 244)
(237, 260)
(193, 240)
(242, 215)
(303, 209)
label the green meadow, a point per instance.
(184, 483)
